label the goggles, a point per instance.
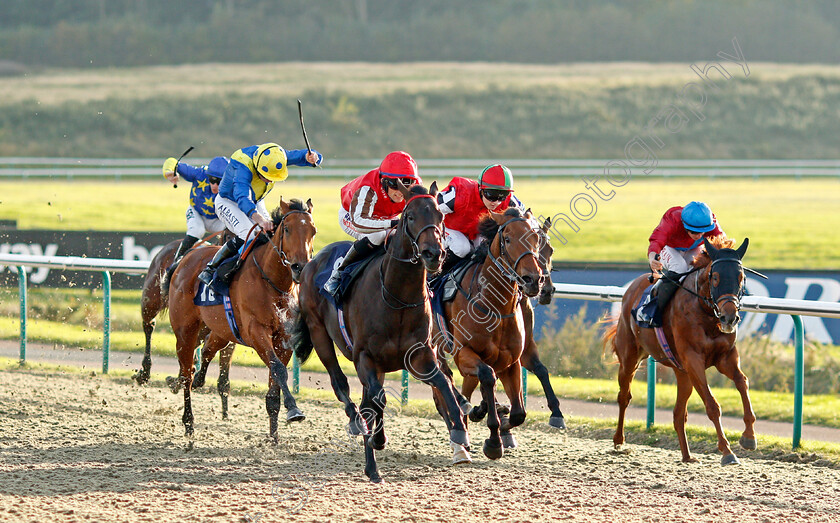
(494, 195)
(214, 180)
(393, 183)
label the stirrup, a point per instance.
(332, 284)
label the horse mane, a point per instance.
(418, 190)
(487, 226)
(294, 205)
(718, 242)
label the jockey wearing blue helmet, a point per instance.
(201, 214)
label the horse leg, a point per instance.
(326, 353)
(207, 355)
(223, 385)
(697, 372)
(493, 445)
(730, 367)
(463, 401)
(186, 352)
(531, 360)
(468, 386)
(629, 356)
(511, 379)
(371, 387)
(148, 315)
(420, 361)
(684, 390)
(281, 377)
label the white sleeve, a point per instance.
(446, 201)
(361, 210)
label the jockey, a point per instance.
(464, 201)
(371, 206)
(247, 180)
(201, 214)
(675, 242)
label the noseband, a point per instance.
(509, 269)
(726, 298)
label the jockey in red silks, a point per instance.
(370, 208)
(675, 242)
(463, 203)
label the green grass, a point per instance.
(702, 439)
(782, 218)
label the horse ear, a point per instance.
(283, 205)
(433, 189)
(742, 250)
(546, 225)
(498, 217)
(710, 249)
(406, 192)
(309, 205)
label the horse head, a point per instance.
(514, 248)
(293, 234)
(422, 224)
(726, 283)
(546, 251)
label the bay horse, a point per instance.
(486, 326)
(700, 323)
(387, 316)
(530, 358)
(261, 293)
(154, 300)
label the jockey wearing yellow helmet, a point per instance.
(247, 180)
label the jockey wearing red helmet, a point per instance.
(465, 201)
(371, 206)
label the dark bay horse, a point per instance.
(388, 319)
(530, 355)
(261, 293)
(153, 301)
(485, 322)
(700, 324)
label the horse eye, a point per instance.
(715, 279)
(285, 230)
(410, 218)
(507, 240)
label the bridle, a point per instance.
(509, 269)
(413, 240)
(280, 252)
(726, 298)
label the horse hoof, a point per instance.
(460, 437)
(377, 445)
(357, 427)
(504, 423)
(476, 414)
(748, 443)
(376, 478)
(491, 450)
(294, 414)
(141, 377)
(558, 422)
(174, 384)
(460, 455)
(508, 441)
(730, 459)
(502, 410)
(466, 407)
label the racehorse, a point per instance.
(388, 322)
(530, 358)
(485, 323)
(700, 323)
(261, 293)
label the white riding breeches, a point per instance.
(676, 260)
(234, 219)
(198, 225)
(376, 237)
(458, 243)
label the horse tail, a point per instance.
(165, 279)
(610, 331)
(299, 339)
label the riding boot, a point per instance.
(227, 250)
(358, 251)
(663, 290)
(186, 244)
(450, 261)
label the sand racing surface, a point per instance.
(77, 447)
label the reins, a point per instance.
(280, 252)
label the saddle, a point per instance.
(348, 276)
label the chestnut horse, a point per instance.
(700, 324)
(530, 356)
(153, 301)
(261, 292)
(388, 319)
(485, 322)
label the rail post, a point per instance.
(651, 391)
(106, 325)
(295, 374)
(798, 378)
(524, 387)
(22, 293)
(405, 387)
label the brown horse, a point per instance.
(485, 323)
(530, 356)
(388, 319)
(700, 324)
(260, 293)
(154, 300)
